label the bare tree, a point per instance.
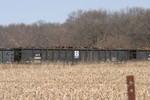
(127, 28)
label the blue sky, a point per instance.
(30, 11)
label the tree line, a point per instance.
(126, 29)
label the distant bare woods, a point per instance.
(127, 28)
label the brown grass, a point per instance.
(105, 81)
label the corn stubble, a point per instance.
(104, 81)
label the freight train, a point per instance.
(72, 54)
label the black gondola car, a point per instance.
(76, 55)
(6, 56)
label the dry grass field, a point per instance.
(104, 81)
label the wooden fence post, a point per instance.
(131, 88)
